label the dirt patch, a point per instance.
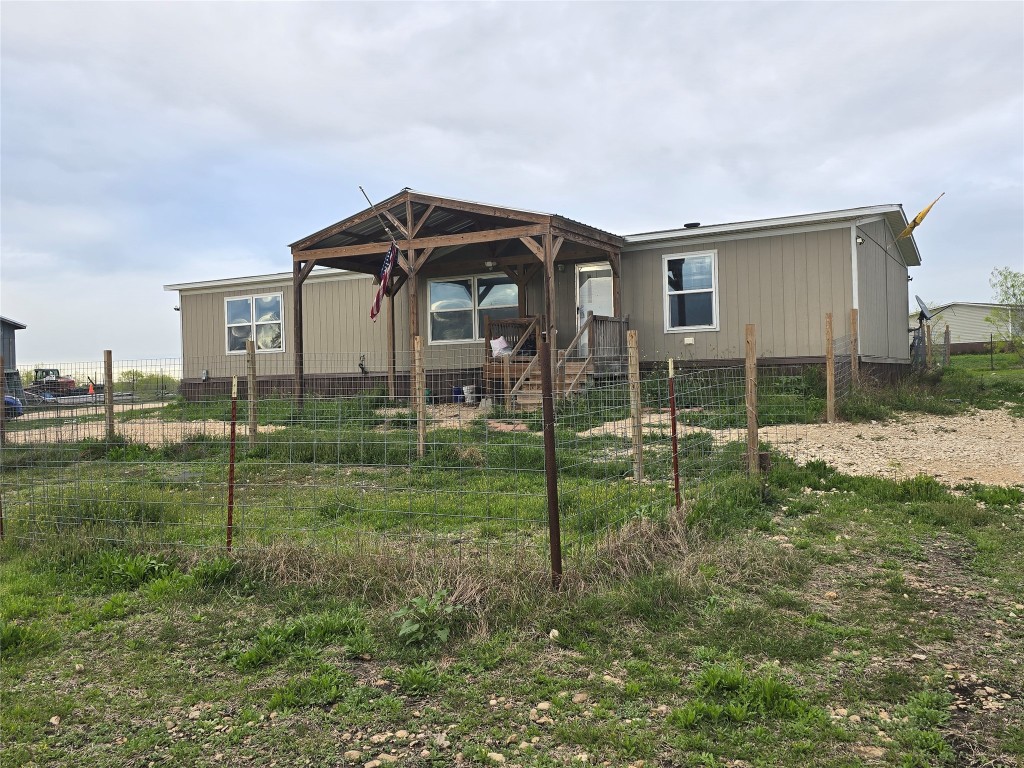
(981, 446)
(152, 432)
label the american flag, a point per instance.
(384, 277)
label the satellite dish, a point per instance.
(925, 312)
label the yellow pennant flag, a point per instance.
(918, 219)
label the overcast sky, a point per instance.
(148, 143)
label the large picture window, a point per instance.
(255, 317)
(691, 281)
(460, 306)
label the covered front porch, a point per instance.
(473, 274)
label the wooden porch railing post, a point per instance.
(633, 344)
(830, 371)
(753, 464)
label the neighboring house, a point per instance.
(969, 326)
(470, 272)
(8, 348)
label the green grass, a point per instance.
(707, 643)
(966, 383)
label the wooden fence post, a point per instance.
(945, 346)
(230, 528)
(927, 345)
(633, 345)
(753, 462)
(830, 371)
(250, 362)
(675, 436)
(108, 390)
(419, 388)
(854, 349)
(550, 461)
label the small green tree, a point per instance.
(1007, 321)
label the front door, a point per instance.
(593, 294)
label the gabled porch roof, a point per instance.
(435, 234)
(449, 228)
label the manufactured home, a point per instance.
(471, 278)
(972, 326)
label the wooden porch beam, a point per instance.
(465, 238)
(566, 225)
(583, 239)
(398, 225)
(480, 208)
(530, 243)
(423, 220)
(306, 269)
(397, 281)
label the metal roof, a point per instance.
(441, 221)
(13, 323)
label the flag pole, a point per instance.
(379, 217)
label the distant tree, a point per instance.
(1007, 321)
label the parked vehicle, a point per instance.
(12, 407)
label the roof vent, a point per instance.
(691, 225)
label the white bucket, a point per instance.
(470, 392)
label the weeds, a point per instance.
(425, 620)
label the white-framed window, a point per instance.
(691, 291)
(460, 306)
(254, 317)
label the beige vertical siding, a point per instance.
(336, 323)
(783, 283)
(882, 294)
(967, 323)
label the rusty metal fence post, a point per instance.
(550, 461)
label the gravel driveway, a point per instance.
(980, 446)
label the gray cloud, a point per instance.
(160, 142)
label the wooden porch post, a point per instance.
(414, 306)
(391, 340)
(549, 304)
(615, 262)
(297, 280)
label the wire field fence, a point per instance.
(437, 453)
